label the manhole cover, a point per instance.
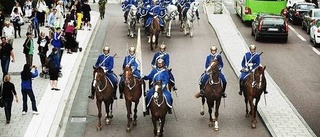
(78, 119)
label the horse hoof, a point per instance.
(99, 128)
(210, 125)
(253, 126)
(191, 36)
(247, 115)
(128, 129)
(107, 121)
(216, 129)
(202, 113)
(134, 123)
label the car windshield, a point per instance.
(273, 21)
(306, 7)
(317, 14)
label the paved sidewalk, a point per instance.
(51, 104)
(280, 116)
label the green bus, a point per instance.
(247, 10)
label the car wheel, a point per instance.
(310, 39)
(308, 30)
(252, 33)
(285, 40)
(314, 42)
(302, 26)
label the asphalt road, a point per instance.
(187, 56)
(293, 65)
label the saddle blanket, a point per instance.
(167, 97)
(148, 22)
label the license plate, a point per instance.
(272, 29)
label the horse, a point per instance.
(255, 84)
(179, 6)
(154, 31)
(104, 92)
(213, 93)
(131, 21)
(159, 109)
(172, 13)
(190, 17)
(132, 89)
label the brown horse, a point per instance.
(180, 16)
(159, 109)
(104, 92)
(132, 89)
(154, 31)
(255, 84)
(213, 93)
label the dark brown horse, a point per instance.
(213, 93)
(159, 109)
(154, 31)
(255, 84)
(132, 89)
(180, 16)
(104, 92)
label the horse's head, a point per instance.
(259, 77)
(194, 6)
(133, 11)
(213, 67)
(98, 74)
(172, 11)
(157, 89)
(127, 75)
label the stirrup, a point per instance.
(265, 92)
(224, 95)
(170, 111)
(240, 93)
(91, 97)
(121, 95)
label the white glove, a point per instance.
(250, 64)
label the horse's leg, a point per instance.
(128, 105)
(254, 120)
(216, 114)
(209, 103)
(107, 116)
(154, 121)
(128, 23)
(169, 29)
(99, 115)
(203, 99)
(246, 102)
(185, 27)
(191, 29)
(135, 113)
(149, 41)
(163, 120)
(156, 40)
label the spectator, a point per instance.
(52, 18)
(54, 66)
(42, 9)
(8, 32)
(17, 5)
(1, 22)
(35, 22)
(79, 14)
(6, 51)
(60, 14)
(28, 48)
(43, 42)
(28, 9)
(26, 88)
(70, 37)
(57, 42)
(16, 20)
(8, 91)
(86, 15)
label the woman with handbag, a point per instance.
(17, 21)
(8, 91)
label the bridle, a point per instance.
(97, 80)
(128, 81)
(156, 96)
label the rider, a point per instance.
(161, 54)
(106, 62)
(130, 61)
(160, 73)
(155, 10)
(126, 5)
(204, 76)
(186, 7)
(250, 62)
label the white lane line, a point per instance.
(316, 51)
(295, 32)
(302, 38)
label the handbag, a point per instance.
(1, 99)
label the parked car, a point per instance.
(311, 16)
(270, 26)
(315, 32)
(291, 2)
(298, 10)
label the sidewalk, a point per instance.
(51, 104)
(280, 116)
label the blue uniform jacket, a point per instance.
(158, 75)
(105, 61)
(161, 55)
(127, 4)
(251, 58)
(211, 57)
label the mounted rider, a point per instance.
(250, 62)
(186, 7)
(106, 62)
(162, 54)
(165, 3)
(126, 5)
(130, 61)
(154, 11)
(205, 76)
(160, 73)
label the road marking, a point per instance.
(295, 32)
(316, 51)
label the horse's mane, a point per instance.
(155, 24)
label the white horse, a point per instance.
(132, 20)
(172, 12)
(190, 18)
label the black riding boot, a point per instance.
(241, 87)
(121, 90)
(147, 109)
(125, 16)
(197, 13)
(265, 89)
(92, 92)
(224, 95)
(115, 93)
(200, 94)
